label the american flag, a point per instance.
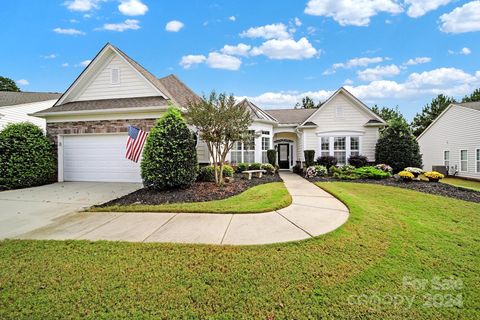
(135, 142)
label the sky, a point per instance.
(386, 52)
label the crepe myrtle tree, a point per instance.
(220, 122)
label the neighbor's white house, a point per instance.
(453, 140)
(16, 106)
(89, 122)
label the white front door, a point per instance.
(97, 157)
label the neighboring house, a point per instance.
(453, 140)
(89, 122)
(16, 106)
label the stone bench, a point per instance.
(258, 173)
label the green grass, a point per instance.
(262, 198)
(475, 185)
(392, 233)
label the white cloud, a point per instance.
(69, 31)
(378, 73)
(232, 18)
(298, 22)
(462, 19)
(240, 49)
(132, 7)
(285, 99)
(188, 61)
(348, 82)
(50, 56)
(466, 51)
(174, 26)
(85, 63)
(23, 82)
(418, 60)
(286, 49)
(65, 64)
(223, 61)
(129, 24)
(417, 8)
(82, 5)
(271, 31)
(349, 12)
(354, 63)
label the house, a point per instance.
(88, 124)
(16, 106)
(453, 140)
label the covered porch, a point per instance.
(285, 142)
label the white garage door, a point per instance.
(98, 158)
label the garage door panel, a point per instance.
(98, 158)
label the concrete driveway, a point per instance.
(27, 209)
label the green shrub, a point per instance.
(358, 161)
(207, 173)
(272, 157)
(255, 166)
(321, 170)
(309, 157)
(242, 167)
(327, 161)
(170, 156)
(26, 156)
(361, 173)
(297, 169)
(269, 168)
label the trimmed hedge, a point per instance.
(170, 155)
(309, 157)
(207, 173)
(327, 161)
(26, 156)
(272, 157)
(358, 161)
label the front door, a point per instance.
(284, 156)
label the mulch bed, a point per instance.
(436, 188)
(198, 192)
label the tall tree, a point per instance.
(307, 103)
(397, 147)
(388, 114)
(7, 84)
(475, 96)
(220, 122)
(430, 112)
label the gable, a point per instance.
(340, 112)
(95, 82)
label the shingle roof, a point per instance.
(471, 105)
(109, 104)
(178, 90)
(290, 116)
(8, 98)
(255, 112)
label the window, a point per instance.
(325, 147)
(339, 112)
(115, 76)
(249, 148)
(478, 160)
(236, 153)
(463, 160)
(339, 150)
(354, 146)
(446, 159)
(265, 147)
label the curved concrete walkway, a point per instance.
(312, 213)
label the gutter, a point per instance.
(100, 111)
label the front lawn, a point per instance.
(391, 260)
(262, 198)
(475, 185)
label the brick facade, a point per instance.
(99, 126)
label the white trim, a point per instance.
(340, 133)
(60, 157)
(460, 160)
(477, 161)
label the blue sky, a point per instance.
(386, 52)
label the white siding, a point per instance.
(131, 83)
(457, 129)
(19, 113)
(354, 120)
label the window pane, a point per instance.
(265, 143)
(478, 154)
(464, 155)
(354, 153)
(236, 157)
(267, 133)
(354, 143)
(264, 157)
(249, 156)
(446, 155)
(339, 143)
(340, 156)
(283, 152)
(325, 144)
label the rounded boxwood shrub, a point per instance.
(272, 157)
(207, 173)
(170, 156)
(26, 156)
(242, 167)
(255, 166)
(269, 168)
(309, 157)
